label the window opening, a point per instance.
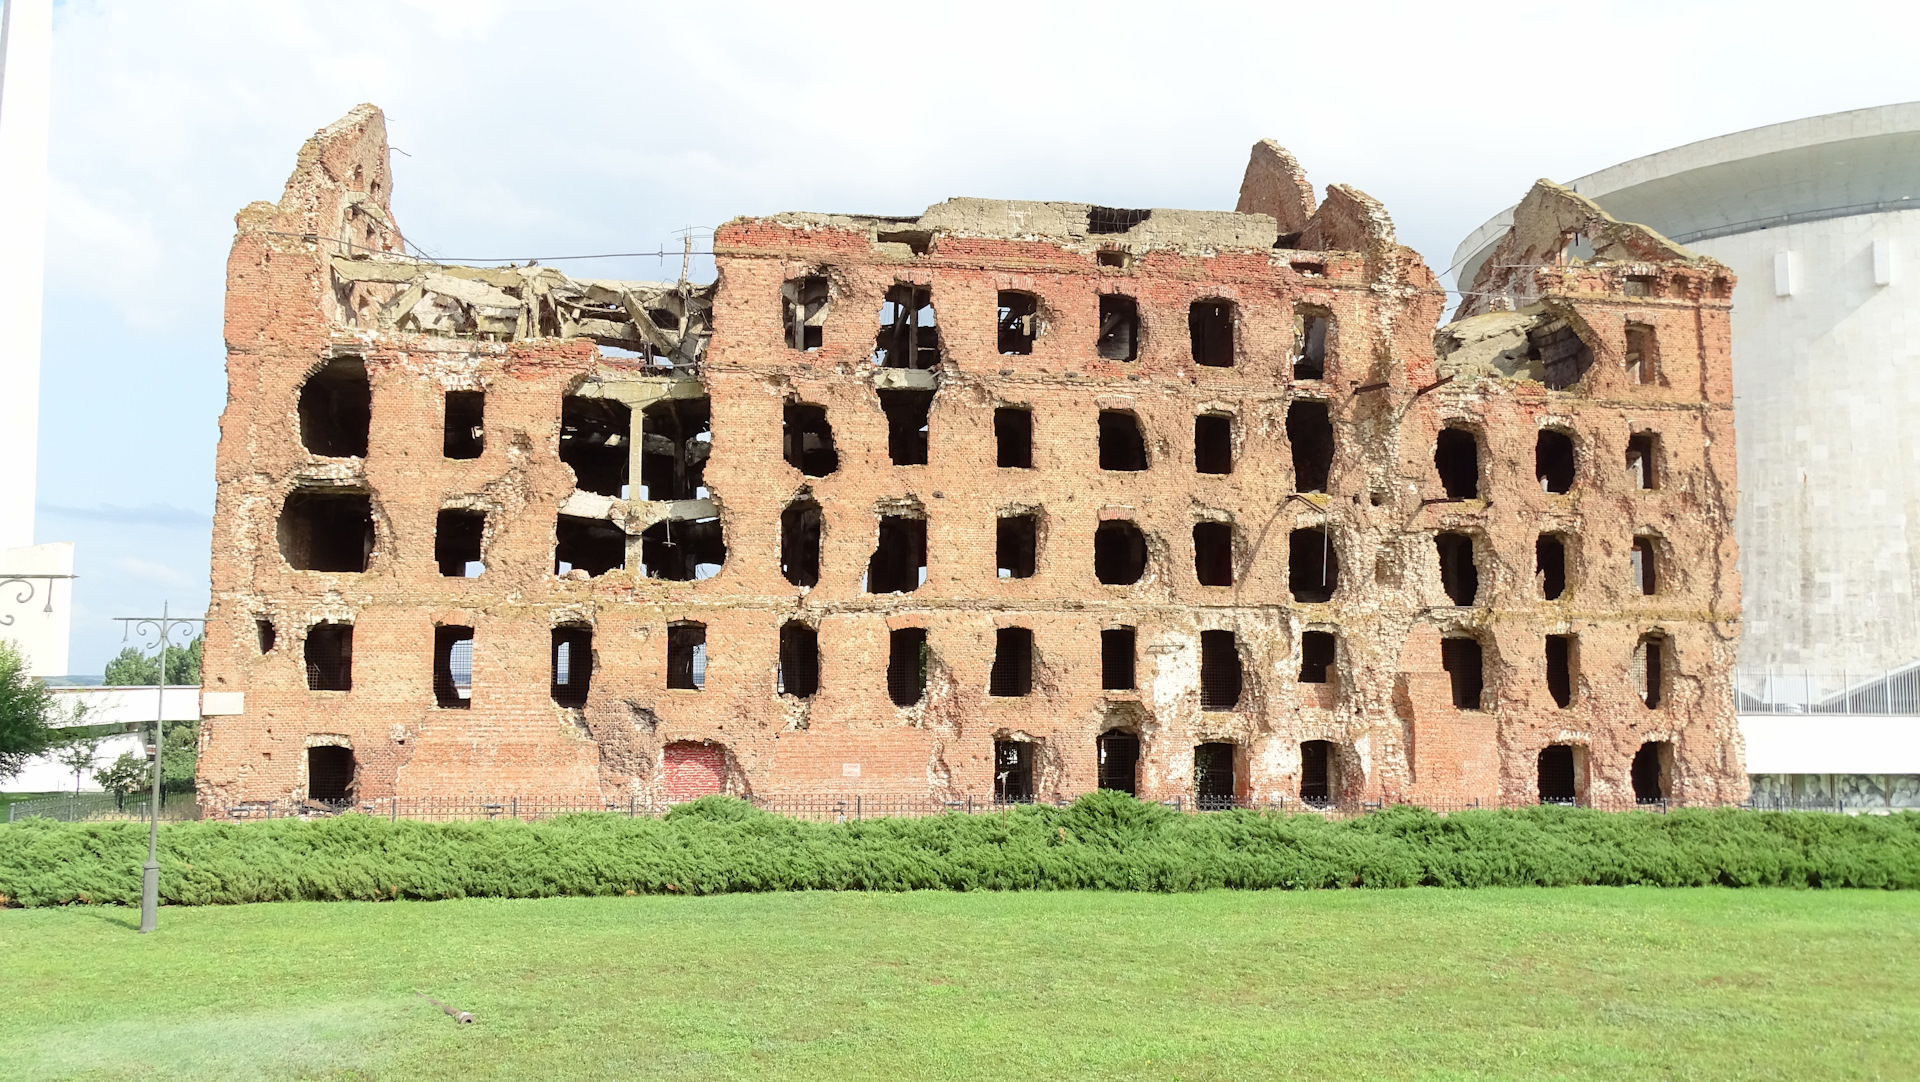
(899, 562)
(907, 656)
(1553, 461)
(465, 434)
(1644, 566)
(1012, 672)
(1456, 455)
(1464, 660)
(1016, 546)
(1649, 661)
(1220, 675)
(907, 425)
(1310, 434)
(1310, 346)
(326, 531)
(1114, 220)
(1012, 772)
(799, 672)
(1557, 781)
(1013, 438)
(803, 303)
(687, 656)
(1563, 355)
(1122, 445)
(587, 544)
(572, 665)
(1313, 567)
(329, 657)
(1641, 285)
(1119, 766)
(1212, 444)
(1653, 772)
(456, 543)
(908, 337)
(800, 543)
(453, 667)
(336, 409)
(1119, 328)
(266, 633)
(1210, 323)
(1560, 669)
(330, 774)
(1643, 354)
(1316, 773)
(1117, 659)
(1640, 460)
(1119, 553)
(683, 550)
(1317, 657)
(1550, 564)
(1213, 781)
(1458, 575)
(676, 441)
(807, 439)
(1019, 316)
(1113, 257)
(594, 438)
(1213, 553)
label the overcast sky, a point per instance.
(554, 128)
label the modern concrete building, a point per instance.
(1820, 220)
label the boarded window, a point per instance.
(677, 440)
(908, 335)
(1213, 553)
(693, 770)
(1313, 565)
(1459, 577)
(592, 545)
(804, 310)
(329, 657)
(1119, 761)
(1553, 461)
(1119, 328)
(572, 669)
(1220, 675)
(326, 531)
(465, 434)
(907, 655)
(800, 543)
(1558, 781)
(1653, 772)
(1212, 444)
(687, 656)
(1645, 568)
(336, 409)
(1649, 669)
(1016, 546)
(1456, 455)
(456, 543)
(1550, 565)
(1119, 553)
(1642, 469)
(899, 562)
(1012, 672)
(1019, 319)
(595, 434)
(807, 439)
(1560, 653)
(1012, 772)
(799, 672)
(1213, 780)
(1210, 323)
(1317, 656)
(1310, 436)
(330, 774)
(907, 425)
(1462, 659)
(452, 667)
(1309, 345)
(1643, 354)
(1013, 438)
(1122, 445)
(1316, 773)
(1117, 659)
(683, 550)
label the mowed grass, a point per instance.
(1604, 983)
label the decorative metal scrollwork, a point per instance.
(27, 590)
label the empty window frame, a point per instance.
(907, 425)
(800, 543)
(1214, 785)
(1117, 648)
(456, 542)
(331, 774)
(1119, 338)
(336, 409)
(329, 657)
(799, 671)
(1310, 436)
(676, 440)
(907, 656)
(1012, 672)
(1643, 450)
(1316, 773)
(266, 634)
(1313, 565)
(803, 309)
(687, 656)
(1212, 443)
(1558, 775)
(1550, 565)
(1220, 673)
(1553, 461)
(1643, 354)
(1561, 654)
(1013, 438)
(592, 545)
(572, 665)
(452, 667)
(594, 438)
(899, 562)
(806, 439)
(1309, 343)
(1464, 661)
(1012, 772)
(1019, 318)
(1118, 764)
(1213, 553)
(908, 335)
(326, 531)
(1016, 546)
(683, 550)
(1119, 553)
(1210, 323)
(1459, 576)
(465, 430)
(1456, 456)
(1122, 445)
(1649, 669)
(1562, 354)
(1645, 566)
(1318, 655)
(1652, 772)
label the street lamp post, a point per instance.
(161, 626)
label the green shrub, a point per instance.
(1106, 841)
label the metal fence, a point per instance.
(102, 808)
(1782, 691)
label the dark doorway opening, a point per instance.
(1553, 461)
(329, 657)
(1119, 765)
(800, 543)
(1310, 436)
(1212, 444)
(465, 434)
(326, 531)
(1119, 328)
(571, 674)
(799, 674)
(683, 550)
(1213, 780)
(1117, 659)
(907, 425)
(1464, 662)
(687, 656)
(595, 434)
(1012, 672)
(456, 543)
(1456, 455)
(336, 409)
(267, 635)
(1119, 553)
(452, 667)
(1642, 470)
(1211, 325)
(1213, 553)
(1318, 653)
(593, 545)
(1653, 772)
(1012, 771)
(1316, 773)
(1016, 546)
(807, 439)
(1310, 346)
(1645, 567)
(1220, 674)
(1313, 566)
(1557, 777)
(677, 440)
(330, 774)
(1013, 438)
(1019, 318)
(1560, 669)
(1122, 446)
(1649, 664)
(907, 656)
(899, 561)
(1459, 577)
(1550, 563)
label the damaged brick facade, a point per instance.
(1007, 499)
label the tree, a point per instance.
(133, 668)
(128, 774)
(26, 711)
(78, 754)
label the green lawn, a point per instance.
(1603, 983)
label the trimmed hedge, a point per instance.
(1107, 841)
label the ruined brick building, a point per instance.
(1009, 499)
